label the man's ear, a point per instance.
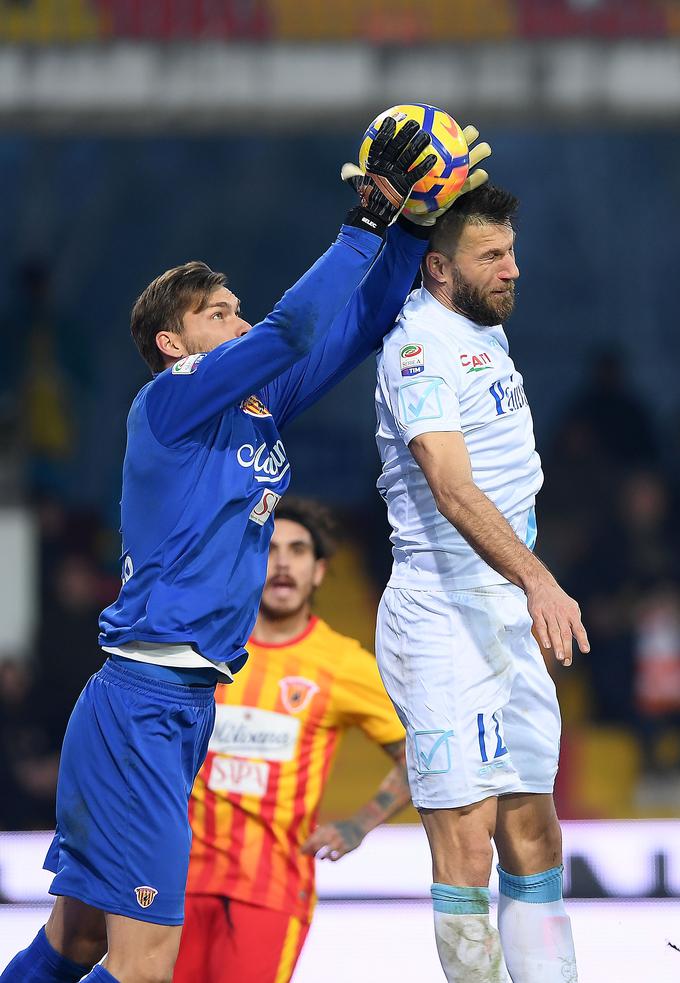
(435, 266)
(320, 568)
(170, 344)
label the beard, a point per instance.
(485, 309)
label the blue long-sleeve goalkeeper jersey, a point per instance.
(205, 465)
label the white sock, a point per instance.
(535, 928)
(469, 946)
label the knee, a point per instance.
(533, 849)
(466, 861)
(82, 940)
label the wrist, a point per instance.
(360, 218)
(415, 228)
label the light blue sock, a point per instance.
(535, 928)
(40, 963)
(101, 974)
(468, 945)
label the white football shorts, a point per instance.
(469, 683)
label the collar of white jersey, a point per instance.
(423, 298)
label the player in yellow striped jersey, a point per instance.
(250, 891)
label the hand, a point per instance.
(556, 618)
(385, 187)
(476, 177)
(334, 840)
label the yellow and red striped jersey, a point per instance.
(277, 729)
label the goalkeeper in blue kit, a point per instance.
(204, 468)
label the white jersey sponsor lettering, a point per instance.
(463, 380)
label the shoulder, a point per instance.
(345, 651)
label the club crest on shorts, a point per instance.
(297, 693)
(254, 406)
(433, 755)
(145, 895)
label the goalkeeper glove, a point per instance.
(384, 189)
(476, 177)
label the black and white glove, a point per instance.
(385, 187)
(476, 177)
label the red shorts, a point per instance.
(225, 940)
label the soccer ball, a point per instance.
(438, 188)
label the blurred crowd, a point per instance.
(608, 527)
(609, 530)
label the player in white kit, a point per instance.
(454, 637)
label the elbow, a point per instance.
(451, 500)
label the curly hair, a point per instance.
(316, 519)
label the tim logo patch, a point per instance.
(145, 895)
(411, 359)
(254, 407)
(297, 693)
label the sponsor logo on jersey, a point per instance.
(254, 407)
(188, 364)
(412, 359)
(250, 732)
(433, 755)
(476, 363)
(145, 895)
(264, 507)
(297, 693)
(508, 398)
(238, 775)
(268, 465)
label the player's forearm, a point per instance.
(307, 310)
(392, 796)
(491, 536)
(377, 302)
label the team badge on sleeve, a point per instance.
(420, 401)
(145, 895)
(412, 359)
(254, 407)
(188, 364)
(297, 692)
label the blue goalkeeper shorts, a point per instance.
(131, 751)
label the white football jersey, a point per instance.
(438, 371)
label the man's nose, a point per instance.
(509, 270)
(244, 328)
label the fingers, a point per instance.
(475, 180)
(557, 632)
(421, 170)
(470, 132)
(400, 148)
(414, 149)
(351, 174)
(479, 153)
(581, 637)
(386, 132)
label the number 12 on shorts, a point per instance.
(481, 732)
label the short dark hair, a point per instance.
(165, 302)
(317, 520)
(487, 203)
